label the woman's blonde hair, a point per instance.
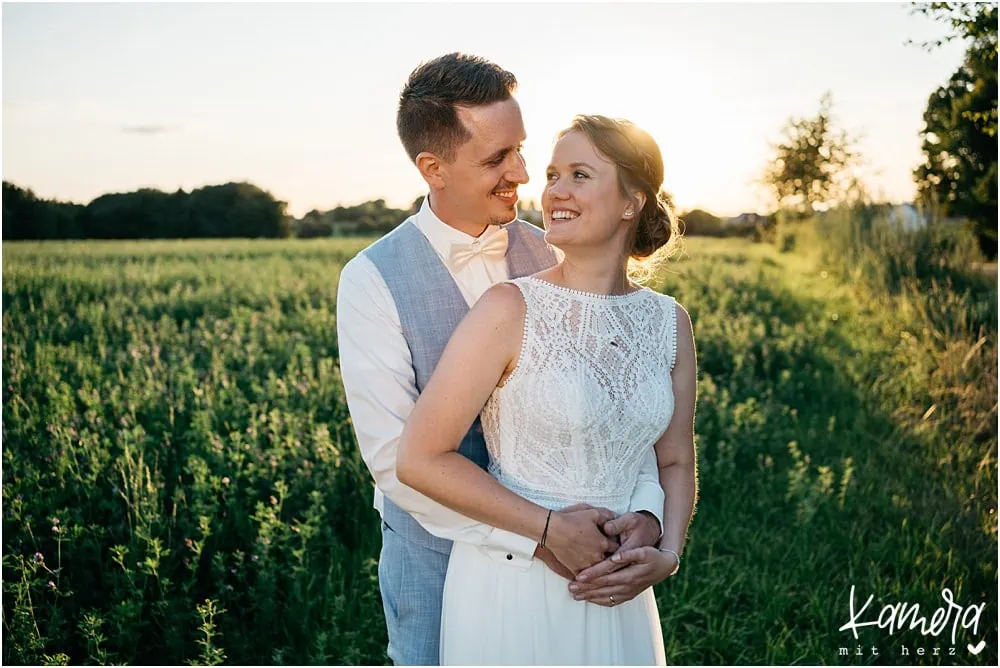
(656, 233)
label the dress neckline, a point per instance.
(592, 295)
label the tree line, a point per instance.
(218, 211)
(237, 210)
(373, 218)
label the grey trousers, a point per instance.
(411, 579)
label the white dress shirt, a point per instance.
(380, 385)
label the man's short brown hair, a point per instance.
(427, 118)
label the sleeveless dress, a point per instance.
(588, 399)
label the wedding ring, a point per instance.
(612, 599)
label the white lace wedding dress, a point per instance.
(589, 397)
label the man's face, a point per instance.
(481, 182)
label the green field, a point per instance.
(181, 482)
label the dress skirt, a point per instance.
(497, 613)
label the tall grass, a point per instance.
(942, 374)
(181, 482)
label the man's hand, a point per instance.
(640, 568)
(632, 530)
(576, 539)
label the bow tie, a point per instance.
(494, 247)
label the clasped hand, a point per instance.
(603, 555)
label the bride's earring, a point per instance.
(628, 213)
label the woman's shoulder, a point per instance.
(675, 309)
(495, 319)
(666, 298)
(520, 289)
(502, 301)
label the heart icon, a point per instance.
(978, 648)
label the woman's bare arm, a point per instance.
(481, 353)
(675, 451)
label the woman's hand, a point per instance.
(642, 568)
(576, 537)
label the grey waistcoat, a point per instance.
(430, 306)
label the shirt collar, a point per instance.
(441, 234)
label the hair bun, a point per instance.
(656, 227)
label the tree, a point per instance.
(314, 224)
(415, 206)
(237, 210)
(699, 222)
(959, 174)
(810, 169)
(25, 216)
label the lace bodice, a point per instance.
(589, 397)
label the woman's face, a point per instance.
(582, 205)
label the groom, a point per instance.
(398, 303)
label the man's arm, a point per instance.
(379, 381)
(648, 496)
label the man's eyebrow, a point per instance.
(497, 156)
(502, 153)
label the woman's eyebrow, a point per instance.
(574, 165)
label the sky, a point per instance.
(301, 99)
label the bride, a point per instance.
(578, 374)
